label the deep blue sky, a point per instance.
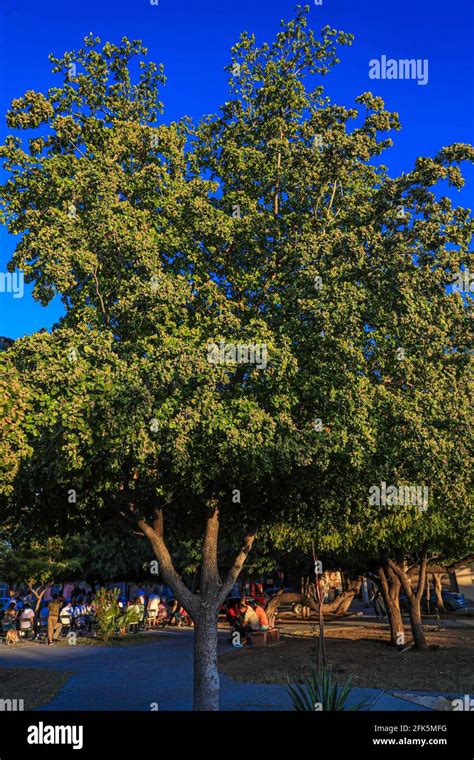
(193, 38)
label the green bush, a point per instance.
(110, 617)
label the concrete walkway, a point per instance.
(159, 673)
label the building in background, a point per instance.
(5, 343)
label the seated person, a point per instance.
(247, 621)
(78, 610)
(232, 614)
(162, 611)
(27, 618)
(9, 618)
(153, 603)
(177, 614)
(185, 618)
(262, 616)
(43, 615)
(249, 617)
(65, 616)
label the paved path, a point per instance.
(135, 677)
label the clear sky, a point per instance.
(192, 38)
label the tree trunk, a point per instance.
(344, 601)
(389, 586)
(206, 674)
(319, 596)
(339, 606)
(287, 597)
(203, 607)
(414, 598)
(395, 619)
(416, 624)
(438, 590)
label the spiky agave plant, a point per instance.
(320, 691)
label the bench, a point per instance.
(273, 636)
(262, 638)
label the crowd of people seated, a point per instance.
(151, 608)
(59, 614)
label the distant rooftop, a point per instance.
(5, 343)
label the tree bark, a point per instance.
(206, 674)
(318, 593)
(344, 600)
(414, 598)
(417, 625)
(438, 590)
(38, 594)
(389, 585)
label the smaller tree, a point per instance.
(38, 564)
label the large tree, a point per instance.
(268, 227)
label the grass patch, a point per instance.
(36, 686)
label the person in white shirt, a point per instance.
(153, 603)
(249, 618)
(66, 614)
(27, 618)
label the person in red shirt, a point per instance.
(232, 615)
(262, 617)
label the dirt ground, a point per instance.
(364, 653)
(35, 686)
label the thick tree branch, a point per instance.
(422, 576)
(234, 571)
(403, 577)
(383, 581)
(210, 579)
(395, 585)
(189, 600)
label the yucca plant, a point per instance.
(319, 689)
